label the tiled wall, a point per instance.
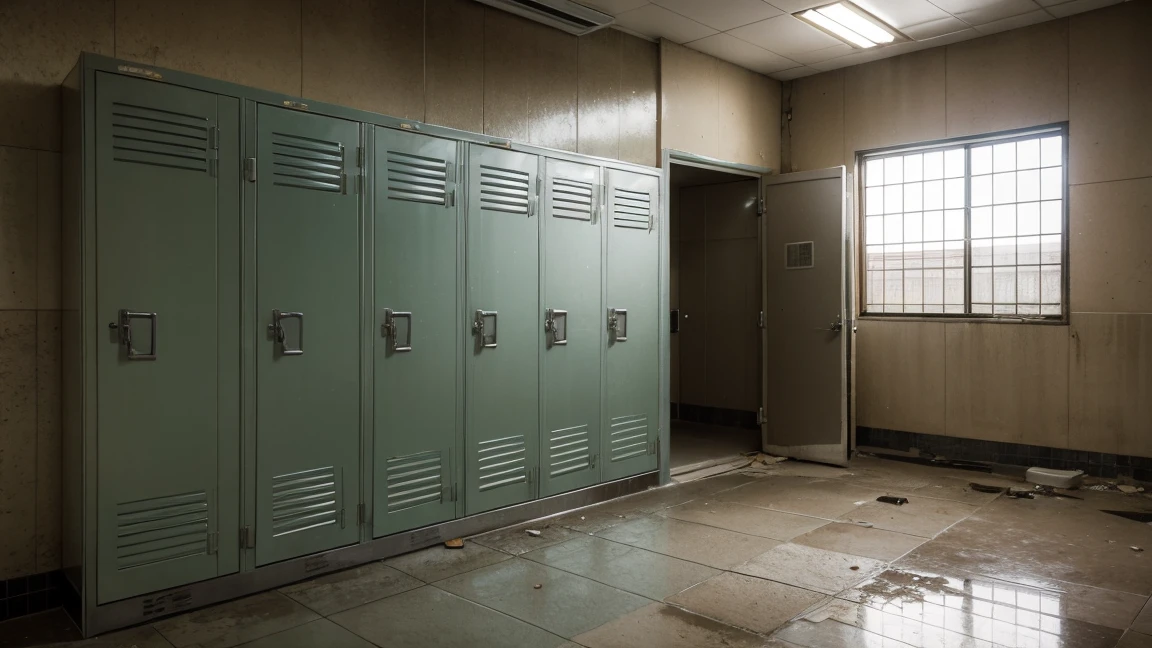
(1081, 387)
(449, 62)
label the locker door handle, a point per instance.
(277, 330)
(486, 335)
(124, 329)
(618, 323)
(558, 332)
(389, 330)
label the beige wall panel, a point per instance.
(1110, 63)
(454, 64)
(693, 323)
(1010, 80)
(506, 69)
(639, 94)
(1109, 408)
(693, 213)
(48, 195)
(1007, 382)
(598, 110)
(731, 276)
(748, 128)
(900, 376)
(253, 42)
(689, 85)
(1110, 246)
(552, 87)
(894, 101)
(367, 54)
(817, 124)
(18, 195)
(731, 211)
(17, 443)
(40, 41)
(48, 451)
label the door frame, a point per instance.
(668, 157)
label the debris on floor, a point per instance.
(1128, 490)
(537, 586)
(532, 532)
(1054, 477)
(984, 488)
(1020, 493)
(1049, 491)
(1136, 549)
(454, 543)
(860, 523)
(694, 472)
(889, 499)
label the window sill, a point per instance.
(964, 319)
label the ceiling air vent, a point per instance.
(561, 14)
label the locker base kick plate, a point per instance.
(148, 608)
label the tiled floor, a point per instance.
(693, 443)
(800, 556)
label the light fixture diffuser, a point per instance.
(850, 24)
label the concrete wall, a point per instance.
(1084, 386)
(449, 62)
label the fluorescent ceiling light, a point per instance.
(850, 24)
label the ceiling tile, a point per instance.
(1079, 6)
(875, 54)
(784, 35)
(722, 14)
(792, 6)
(744, 54)
(815, 56)
(900, 13)
(1015, 22)
(794, 73)
(614, 7)
(979, 12)
(924, 31)
(657, 22)
(1049, 3)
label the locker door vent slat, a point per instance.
(414, 480)
(569, 450)
(307, 163)
(304, 500)
(629, 436)
(632, 209)
(572, 199)
(161, 528)
(502, 462)
(503, 190)
(161, 138)
(417, 179)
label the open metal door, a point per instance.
(807, 295)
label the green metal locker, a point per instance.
(308, 333)
(167, 223)
(418, 347)
(573, 327)
(503, 395)
(632, 363)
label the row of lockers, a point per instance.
(364, 328)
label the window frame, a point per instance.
(968, 142)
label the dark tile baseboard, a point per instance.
(25, 595)
(714, 415)
(1097, 464)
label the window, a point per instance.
(970, 228)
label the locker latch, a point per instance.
(213, 542)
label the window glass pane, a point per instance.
(874, 173)
(934, 194)
(1028, 250)
(981, 286)
(913, 196)
(981, 190)
(1004, 220)
(1004, 309)
(981, 222)
(934, 287)
(1027, 309)
(893, 170)
(954, 163)
(1050, 310)
(913, 224)
(953, 224)
(1028, 218)
(934, 165)
(1028, 185)
(954, 287)
(1004, 285)
(981, 252)
(1050, 249)
(1028, 284)
(1004, 188)
(1004, 157)
(953, 254)
(981, 160)
(893, 199)
(874, 201)
(875, 256)
(1028, 154)
(893, 257)
(1050, 285)
(954, 194)
(913, 255)
(981, 309)
(1052, 217)
(1004, 251)
(873, 230)
(934, 226)
(875, 289)
(1051, 151)
(894, 228)
(934, 255)
(893, 287)
(913, 168)
(913, 289)
(1051, 183)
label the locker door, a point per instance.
(418, 346)
(308, 344)
(166, 259)
(632, 363)
(574, 330)
(503, 305)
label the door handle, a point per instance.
(277, 331)
(618, 323)
(835, 327)
(388, 330)
(124, 331)
(558, 332)
(485, 335)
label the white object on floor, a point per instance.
(1054, 478)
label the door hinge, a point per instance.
(340, 518)
(213, 138)
(760, 416)
(250, 169)
(360, 154)
(760, 207)
(592, 462)
(760, 320)
(213, 542)
(247, 538)
(361, 514)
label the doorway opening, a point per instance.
(715, 300)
